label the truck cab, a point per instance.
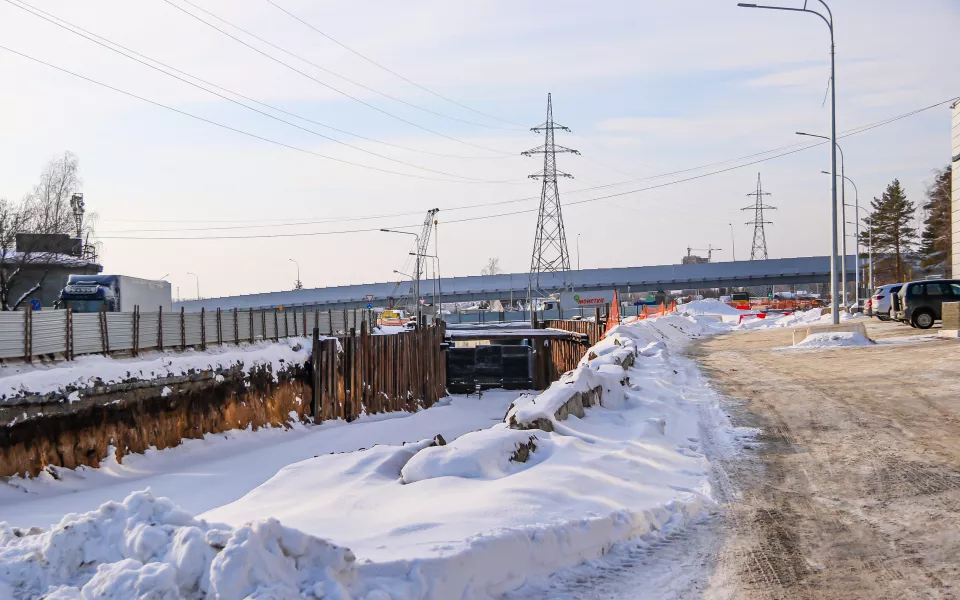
(89, 294)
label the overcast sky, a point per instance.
(648, 88)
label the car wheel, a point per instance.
(923, 320)
(885, 317)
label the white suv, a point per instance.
(880, 301)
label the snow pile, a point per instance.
(485, 454)
(806, 318)
(19, 381)
(834, 339)
(492, 509)
(147, 547)
(709, 306)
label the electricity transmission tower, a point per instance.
(759, 248)
(550, 253)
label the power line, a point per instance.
(805, 146)
(249, 99)
(234, 129)
(66, 25)
(310, 77)
(392, 72)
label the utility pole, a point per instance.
(550, 254)
(759, 248)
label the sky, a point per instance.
(647, 88)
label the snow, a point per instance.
(232, 463)
(709, 306)
(475, 518)
(814, 316)
(833, 339)
(19, 382)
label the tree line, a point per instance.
(907, 243)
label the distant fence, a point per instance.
(28, 334)
(378, 373)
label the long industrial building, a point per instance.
(777, 271)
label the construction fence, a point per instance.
(366, 373)
(65, 334)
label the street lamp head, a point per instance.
(826, 172)
(386, 230)
(746, 5)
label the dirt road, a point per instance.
(852, 487)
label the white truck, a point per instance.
(114, 293)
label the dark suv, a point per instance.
(921, 301)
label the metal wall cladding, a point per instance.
(49, 332)
(120, 331)
(86, 333)
(12, 331)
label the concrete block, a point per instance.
(951, 315)
(801, 334)
(951, 334)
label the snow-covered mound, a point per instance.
(145, 547)
(92, 370)
(486, 454)
(709, 306)
(834, 339)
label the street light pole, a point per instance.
(198, 283)
(856, 206)
(578, 251)
(733, 243)
(299, 285)
(843, 215)
(835, 307)
(416, 280)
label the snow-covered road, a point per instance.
(204, 474)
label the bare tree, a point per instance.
(51, 207)
(492, 267)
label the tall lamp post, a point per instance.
(416, 279)
(299, 285)
(843, 214)
(198, 283)
(835, 306)
(856, 206)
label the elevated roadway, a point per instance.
(775, 271)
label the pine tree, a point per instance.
(894, 236)
(935, 241)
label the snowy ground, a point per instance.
(283, 517)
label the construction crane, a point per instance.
(690, 258)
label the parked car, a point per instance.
(921, 302)
(880, 302)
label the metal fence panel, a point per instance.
(191, 326)
(171, 330)
(259, 323)
(243, 325)
(86, 333)
(11, 334)
(211, 327)
(49, 331)
(120, 331)
(339, 324)
(148, 330)
(323, 322)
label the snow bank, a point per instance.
(17, 381)
(834, 339)
(814, 316)
(485, 454)
(145, 547)
(709, 306)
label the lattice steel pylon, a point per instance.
(759, 248)
(550, 254)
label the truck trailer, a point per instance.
(114, 293)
